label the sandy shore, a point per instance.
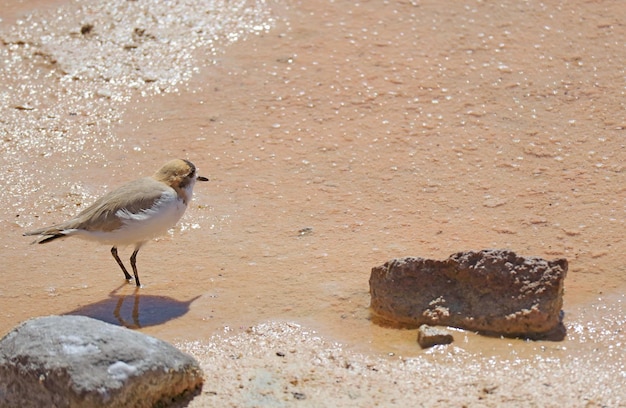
(337, 135)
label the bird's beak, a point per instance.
(202, 178)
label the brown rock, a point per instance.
(490, 291)
(428, 336)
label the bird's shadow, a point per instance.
(134, 310)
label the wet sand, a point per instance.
(336, 136)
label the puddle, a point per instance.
(336, 136)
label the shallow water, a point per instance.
(336, 135)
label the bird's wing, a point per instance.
(134, 197)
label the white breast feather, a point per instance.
(144, 225)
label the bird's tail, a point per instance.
(46, 234)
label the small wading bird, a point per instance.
(132, 214)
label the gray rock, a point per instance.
(76, 361)
(490, 291)
(428, 336)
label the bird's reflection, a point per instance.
(134, 310)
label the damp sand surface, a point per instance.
(337, 135)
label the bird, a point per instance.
(132, 214)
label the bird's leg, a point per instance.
(133, 263)
(119, 262)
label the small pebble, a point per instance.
(428, 336)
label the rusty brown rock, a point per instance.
(491, 291)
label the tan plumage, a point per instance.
(133, 213)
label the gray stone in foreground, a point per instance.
(428, 336)
(491, 291)
(76, 361)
